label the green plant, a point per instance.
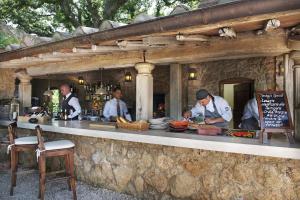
(6, 40)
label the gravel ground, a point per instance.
(27, 189)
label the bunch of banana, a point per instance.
(122, 120)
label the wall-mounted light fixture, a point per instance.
(192, 74)
(80, 80)
(128, 77)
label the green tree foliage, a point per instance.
(6, 40)
(43, 17)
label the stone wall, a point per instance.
(261, 70)
(161, 172)
(7, 83)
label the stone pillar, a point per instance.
(144, 91)
(295, 55)
(175, 91)
(289, 81)
(25, 89)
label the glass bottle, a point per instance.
(66, 115)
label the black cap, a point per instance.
(201, 94)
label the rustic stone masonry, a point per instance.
(7, 83)
(261, 70)
(161, 172)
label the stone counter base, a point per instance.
(161, 172)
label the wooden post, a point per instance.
(175, 91)
(144, 91)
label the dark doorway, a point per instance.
(237, 92)
(158, 105)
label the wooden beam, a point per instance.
(114, 60)
(246, 45)
(96, 49)
(239, 12)
(125, 44)
(159, 40)
(65, 55)
(192, 38)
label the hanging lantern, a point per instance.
(128, 77)
(192, 74)
(80, 80)
(48, 92)
(100, 90)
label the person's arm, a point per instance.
(214, 120)
(197, 110)
(75, 104)
(224, 109)
(106, 110)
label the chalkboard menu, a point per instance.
(273, 110)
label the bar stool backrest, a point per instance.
(12, 132)
(39, 132)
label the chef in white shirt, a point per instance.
(70, 102)
(215, 109)
(250, 119)
(116, 107)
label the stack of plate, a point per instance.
(159, 123)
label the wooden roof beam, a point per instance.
(192, 38)
(115, 60)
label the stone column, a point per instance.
(289, 81)
(25, 89)
(175, 91)
(144, 91)
(295, 55)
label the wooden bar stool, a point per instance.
(64, 148)
(18, 145)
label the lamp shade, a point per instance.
(128, 77)
(80, 80)
(48, 93)
(100, 91)
(192, 74)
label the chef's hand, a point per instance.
(209, 120)
(214, 120)
(187, 114)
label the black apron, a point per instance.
(65, 106)
(250, 124)
(215, 114)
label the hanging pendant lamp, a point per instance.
(101, 90)
(48, 92)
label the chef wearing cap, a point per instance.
(215, 109)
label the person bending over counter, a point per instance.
(116, 107)
(215, 109)
(70, 102)
(250, 119)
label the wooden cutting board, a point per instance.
(103, 125)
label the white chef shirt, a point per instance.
(110, 109)
(251, 110)
(222, 106)
(75, 104)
